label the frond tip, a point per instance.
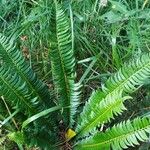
(119, 137)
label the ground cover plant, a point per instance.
(57, 83)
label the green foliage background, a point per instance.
(104, 38)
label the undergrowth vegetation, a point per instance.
(74, 74)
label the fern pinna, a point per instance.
(25, 92)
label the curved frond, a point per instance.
(128, 79)
(63, 63)
(14, 58)
(119, 137)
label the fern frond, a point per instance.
(131, 76)
(25, 91)
(119, 137)
(127, 80)
(14, 88)
(101, 112)
(14, 58)
(63, 63)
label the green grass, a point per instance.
(104, 38)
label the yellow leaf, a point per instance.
(70, 134)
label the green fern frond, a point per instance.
(131, 76)
(19, 85)
(102, 112)
(12, 57)
(119, 137)
(128, 79)
(14, 88)
(63, 63)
